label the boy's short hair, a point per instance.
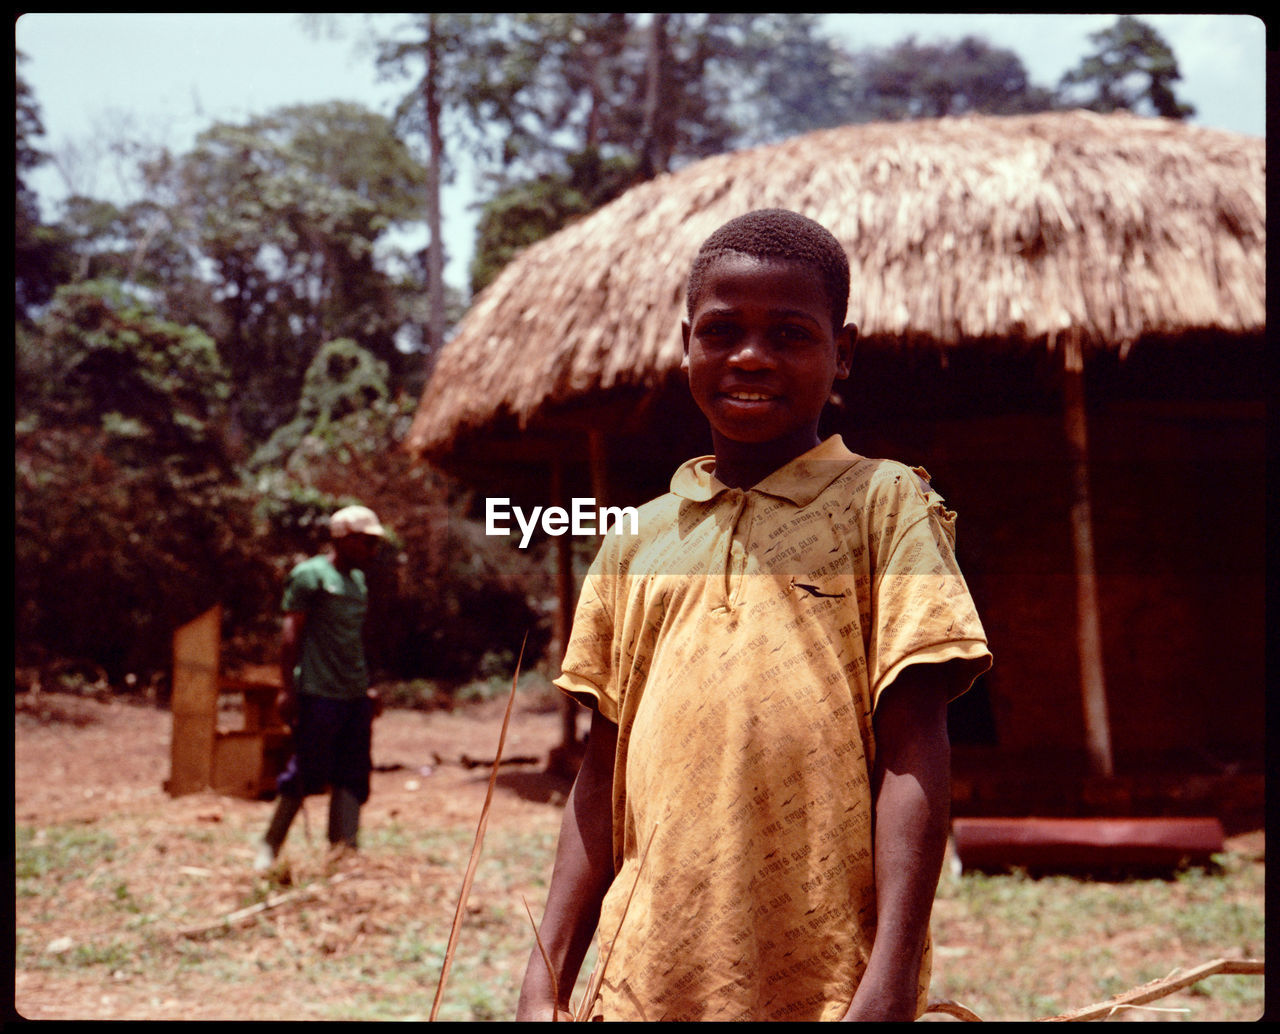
(776, 233)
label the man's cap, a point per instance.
(354, 520)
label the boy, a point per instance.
(768, 663)
(325, 695)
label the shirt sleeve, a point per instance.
(299, 589)
(588, 672)
(922, 611)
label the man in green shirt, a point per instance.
(325, 696)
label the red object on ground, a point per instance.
(1085, 843)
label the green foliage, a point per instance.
(532, 210)
(132, 515)
(1132, 69)
(913, 80)
(128, 517)
(342, 381)
(102, 354)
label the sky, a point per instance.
(163, 78)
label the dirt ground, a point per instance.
(101, 765)
(80, 761)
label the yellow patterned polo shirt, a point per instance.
(740, 640)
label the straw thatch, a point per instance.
(959, 230)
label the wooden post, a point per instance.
(564, 605)
(1088, 625)
(194, 703)
(599, 461)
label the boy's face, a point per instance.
(761, 353)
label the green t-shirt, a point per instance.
(331, 659)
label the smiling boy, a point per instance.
(768, 663)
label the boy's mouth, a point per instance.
(743, 393)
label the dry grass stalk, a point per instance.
(469, 877)
(546, 959)
(596, 979)
(950, 1008)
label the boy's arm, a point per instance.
(911, 786)
(582, 873)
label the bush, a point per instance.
(133, 515)
(129, 516)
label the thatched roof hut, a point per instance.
(1022, 231)
(1033, 249)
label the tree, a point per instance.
(914, 80)
(1133, 69)
(292, 209)
(530, 210)
(457, 57)
(445, 600)
(799, 78)
(589, 104)
(41, 253)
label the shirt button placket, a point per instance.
(736, 562)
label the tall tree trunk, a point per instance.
(435, 248)
(653, 157)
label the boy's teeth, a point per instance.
(747, 396)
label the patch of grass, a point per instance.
(1011, 947)
(58, 854)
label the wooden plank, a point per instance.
(194, 702)
(237, 764)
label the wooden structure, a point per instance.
(1062, 316)
(1086, 845)
(242, 761)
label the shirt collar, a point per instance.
(801, 481)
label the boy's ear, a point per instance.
(684, 334)
(846, 338)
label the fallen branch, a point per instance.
(275, 901)
(518, 759)
(1160, 988)
(1134, 999)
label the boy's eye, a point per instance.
(718, 330)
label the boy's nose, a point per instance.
(750, 354)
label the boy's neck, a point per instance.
(745, 464)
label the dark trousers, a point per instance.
(332, 750)
(332, 745)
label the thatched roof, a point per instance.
(959, 231)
